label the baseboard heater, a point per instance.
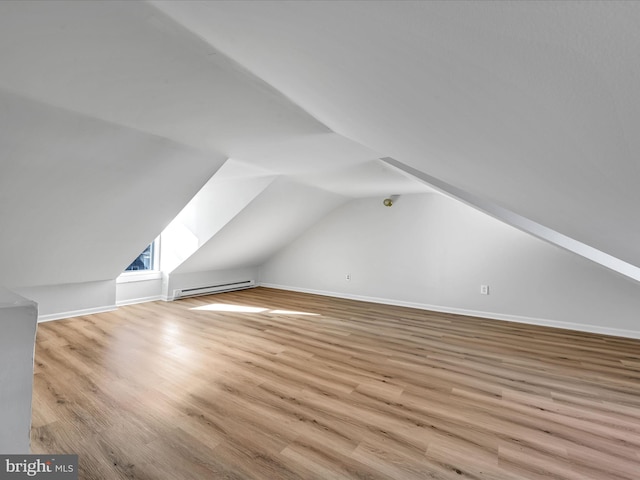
(219, 288)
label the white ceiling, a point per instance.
(533, 106)
(76, 198)
(274, 219)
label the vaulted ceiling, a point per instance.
(114, 114)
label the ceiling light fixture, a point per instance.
(388, 202)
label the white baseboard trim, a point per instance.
(75, 313)
(581, 327)
(133, 301)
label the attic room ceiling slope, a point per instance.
(77, 202)
(225, 195)
(112, 117)
(130, 64)
(532, 106)
(268, 223)
(127, 63)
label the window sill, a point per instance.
(139, 276)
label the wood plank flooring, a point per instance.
(307, 387)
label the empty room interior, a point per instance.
(254, 240)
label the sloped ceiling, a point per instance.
(112, 117)
(531, 105)
(76, 199)
(273, 219)
(127, 63)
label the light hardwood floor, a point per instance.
(354, 391)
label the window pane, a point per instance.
(144, 260)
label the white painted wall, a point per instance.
(206, 278)
(279, 214)
(18, 317)
(433, 252)
(220, 200)
(71, 299)
(139, 291)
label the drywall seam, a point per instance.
(580, 327)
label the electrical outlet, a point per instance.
(484, 289)
(347, 277)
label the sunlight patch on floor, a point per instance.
(225, 307)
